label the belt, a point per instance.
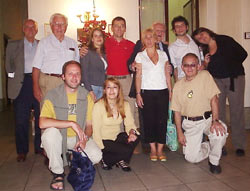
(206, 115)
(28, 74)
(54, 75)
(118, 77)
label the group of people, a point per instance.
(101, 116)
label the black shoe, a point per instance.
(240, 152)
(123, 165)
(214, 169)
(105, 166)
(21, 157)
(224, 151)
(39, 151)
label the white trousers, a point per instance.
(196, 150)
(52, 144)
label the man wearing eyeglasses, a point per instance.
(52, 52)
(195, 97)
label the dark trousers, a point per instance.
(23, 104)
(236, 106)
(120, 149)
(155, 115)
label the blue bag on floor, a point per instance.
(82, 172)
(171, 137)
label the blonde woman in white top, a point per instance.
(153, 91)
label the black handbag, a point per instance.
(82, 172)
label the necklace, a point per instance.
(153, 57)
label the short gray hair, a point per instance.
(190, 55)
(57, 15)
(159, 23)
(27, 20)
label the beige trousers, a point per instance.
(47, 83)
(196, 151)
(52, 144)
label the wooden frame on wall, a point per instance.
(47, 29)
(193, 18)
(166, 18)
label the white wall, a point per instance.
(175, 9)
(41, 10)
(245, 27)
(229, 17)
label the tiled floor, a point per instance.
(174, 175)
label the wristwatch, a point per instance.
(133, 131)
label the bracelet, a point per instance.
(138, 93)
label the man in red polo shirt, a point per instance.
(119, 50)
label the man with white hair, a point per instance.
(160, 31)
(52, 52)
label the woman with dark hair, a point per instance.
(224, 62)
(94, 64)
(108, 115)
(153, 91)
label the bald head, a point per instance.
(160, 30)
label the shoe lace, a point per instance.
(104, 164)
(123, 164)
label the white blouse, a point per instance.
(153, 76)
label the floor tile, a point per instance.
(195, 174)
(227, 171)
(156, 181)
(209, 186)
(238, 183)
(122, 183)
(172, 188)
(178, 164)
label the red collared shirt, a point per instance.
(118, 54)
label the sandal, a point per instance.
(163, 158)
(153, 158)
(57, 178)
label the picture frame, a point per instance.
(247, 35)
(109, 28)
(47, 29)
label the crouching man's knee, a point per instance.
(51, 136)
(93, 151)
(218, 139)
(198, 154)
(191, 158)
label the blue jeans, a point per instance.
(98, 91)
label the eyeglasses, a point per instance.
(57, 24)
(189, 65)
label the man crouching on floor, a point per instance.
(66, 118)
(195, 97)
